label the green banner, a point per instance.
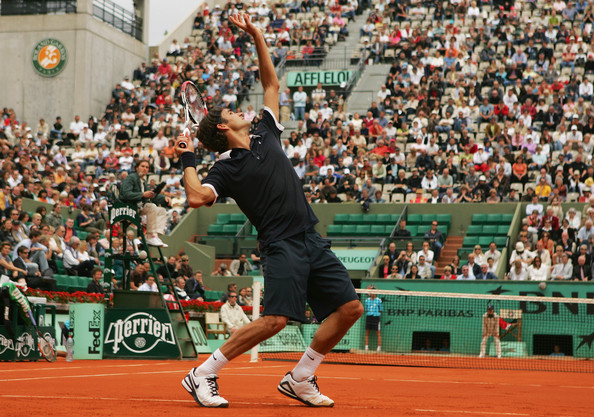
(197, 334)
(86, 323)
(288, 339)
(141, 334)
(312, 78)
(356, 259)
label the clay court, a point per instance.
(152, 388)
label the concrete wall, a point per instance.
(98, 57)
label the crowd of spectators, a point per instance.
(553, 244)
(484, 102)
(479, 101)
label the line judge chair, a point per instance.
(213, 325)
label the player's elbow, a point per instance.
(196, 201)
(273, 85)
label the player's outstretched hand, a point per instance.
(188, 142)
(243, 21)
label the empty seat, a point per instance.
(479, 218)
(383, 219)
(503, 229)
(377, 230)
(490, 229)
(223, 218)
(348, 230)
(355, 219)
(341, 218)
(444, 219)
(237, 218)
(229, 229)
(493, 219)
(369, 219)
(500, 241)
(474, 230)
(363, 230)
(334, 230)
(215, 229)
(506, 219)
(412, 229)
(414, 219)
(470, 241)
(485, 241)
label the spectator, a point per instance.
(240, 266)
(232, 314)
(149, 285)
(435, 238)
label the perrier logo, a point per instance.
(49, 57)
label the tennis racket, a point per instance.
(194, 107)
(45, 346)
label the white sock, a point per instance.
(212, 365)
(307, 365)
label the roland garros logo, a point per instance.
(139, 333)
(49, 57)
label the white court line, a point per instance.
(490, 413)
(50, 368)
(157, 400)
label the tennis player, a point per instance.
(297, 262)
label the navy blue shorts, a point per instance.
(372, 323)
(303, 269)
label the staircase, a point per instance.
(452, 244)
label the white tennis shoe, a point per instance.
(306, 391)
(204, 390)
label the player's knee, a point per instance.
(275, 324)
(352, 310)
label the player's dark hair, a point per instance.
(211, 137)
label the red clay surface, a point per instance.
(152, 388)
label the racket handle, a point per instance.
(186, 134)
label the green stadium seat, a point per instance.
(443, 229)
(83, 282)
(383, 219)
(444, 219)
(493, 218)
(369, 219)
(363, 230)
(500, 241)
(223, 218)
(341, 218)
(394, 218)
(490, 229)
(470, 241)
(60, 266)
(479, 218)
(506, 219)
(412, 229)
(230, 229)
(82, 235)
(413, 219)
(428, 218)
(485, 241)
(355, 219)
(377, 230)
(215, 229)
(237, 218)
(212, 295)
(334, 230)
(349, 230)
(474, 230)
(503, 229)
(388, 229)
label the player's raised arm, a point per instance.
(267, 73)
(196, 194)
